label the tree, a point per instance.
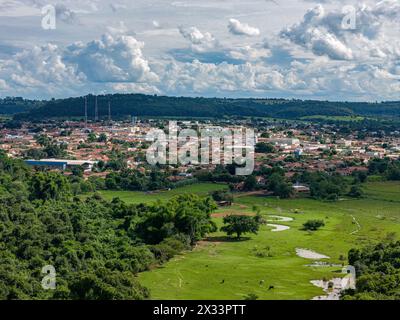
(50, 149)
(393, 172)
(325, 186)
(279, 186)
(360, 176)
(222, 195)
(240, 224)
(250, 183)
(102, 137)
(106, 285)
(283, 190)
(91, 137)
(274, 179)
(49, 186)
(36, 154)
(378, 166)
(185, 214)
(54, 150)
(356, 191)
(263, 147)
(43, 140)
(77, 171)
(313, 225)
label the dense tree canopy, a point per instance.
(150, 105)
(378, 272)
(95, 246)
(385, 167)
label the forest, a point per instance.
(378, 273)
(13, 105)
(96, 247)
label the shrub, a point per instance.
(313, 225)
(251, 296)
(163, 252)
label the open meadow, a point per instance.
(266, 264)
(132, 197)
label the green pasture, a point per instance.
(201, 189)
(221, 268)
(335, 118)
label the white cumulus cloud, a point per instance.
(116, 58)
(322, 32)
(200, 41)
(40, 68)
(238, 28)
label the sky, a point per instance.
(327, 49)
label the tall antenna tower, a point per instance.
(96, 110)
(85, 111)
(109, 110)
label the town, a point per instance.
(294, 146)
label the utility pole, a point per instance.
(96, 110)
(85, 111)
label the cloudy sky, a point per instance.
(331, 49)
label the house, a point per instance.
(298, 188)
(61, 164)
(224, 203)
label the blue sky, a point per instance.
(224, 48)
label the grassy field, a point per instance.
(219, 268)
(335, 118)
(201, 189)
(387, 190)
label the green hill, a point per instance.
(152, 105)
(13, 105)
